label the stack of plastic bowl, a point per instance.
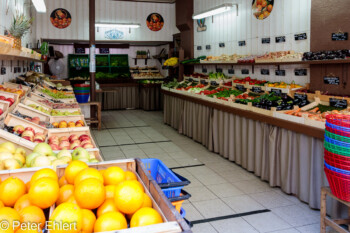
(337, 155)
(82, 92)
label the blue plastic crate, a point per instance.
(336, 142)
(183, 212)
(170, 182)
(341, 171)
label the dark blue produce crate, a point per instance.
(183, 212)
(170, 182)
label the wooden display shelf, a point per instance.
(293, 126)
(321, 62)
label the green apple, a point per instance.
(9, 146)
(80, 154)
(41, 161)
(30, 158)
(64, 153)
(93, 161)
(43, 149)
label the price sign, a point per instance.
(190, 79)
(300, 96)
(337, 103)
(204, 70)
(331, 80)
(213, 83)
(280, 72)
(222, 45)
(231, 71)
(104, 50)
(199, 47)
(203, 81)
(256, 89)
(340, 36)
(241, 88)
(218, 70)
(276, 91)
(241, 43)
(300, 72)
(301, 36)
(266, 40)
(280, 39)
(265, 72)
(80, 50)
(245, 71)
(207, 47)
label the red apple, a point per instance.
(64, 145)
(2, 97)
(54, 146)
(88, 146)
(74, 144)
(83, 136)
(1, 111)
(19, 129)
(63, 138)
(39, 136)
(86, 141)
(73, 137)
(28, 133)
(28, 138)
(30, 129)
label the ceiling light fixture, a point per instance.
(39, 5)
(117, 25)
(214, 11)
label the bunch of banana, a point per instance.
(171, 61)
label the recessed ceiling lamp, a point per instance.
(117, 25)
(39, 6)
(214, 11)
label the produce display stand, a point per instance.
(18, 86)
(173, 222)
(76, 131)
(28, 101)
(12, 120)
(28, 111)
(13, 96)
(19, 142)
(36, 97)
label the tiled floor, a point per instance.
(218, 188)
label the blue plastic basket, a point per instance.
(170, 182)
(336, 127)
(336, 142)
(183, 212)
(341, 171)
(82, 98)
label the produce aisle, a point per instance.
(218, 187)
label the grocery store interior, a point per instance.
(175, 116)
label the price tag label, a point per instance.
(199, 47)
(300, 96)
(245, 71)
(301, 36)
(204, 70)
(280, 39)
(207, 47)
(300, 72)
(276, 91)
(231, 71)
(213, 83)
(222, 45)
(203, 81)
(79, 50)
(340, 36)
(331, 80)
(265, 72)
(104, 50)
(266, 40)
(190, 79)
(337, 103)
(218, 70)
(280, 72)
(241, 88)
(256, 89)
(241, 43)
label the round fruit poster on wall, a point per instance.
(60, 18)
(262, 8)
(155, 22)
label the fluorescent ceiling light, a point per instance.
(214, 11)
(39, 5)
(118, 25)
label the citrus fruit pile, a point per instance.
(87, 200)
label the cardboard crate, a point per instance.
(12, 120)
(13, 96)
(173, 222)
(31, 112)
(28, 101)
(38, 89)
(36, 97)
(4, 105)
(17, 86)
(19, 142)
(76, 131)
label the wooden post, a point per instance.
(92, 43)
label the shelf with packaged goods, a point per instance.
(18, 55)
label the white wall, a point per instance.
(107, 12)
(7, 10)
(287, 18)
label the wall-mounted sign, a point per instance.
(207, 47)
(60, 18)
(266, 40)
(340, 36)
(301, 36)
(337, 103)
(204, 70)
(155, 22)
(262, 8)
(218, 70)
(79, 50)
(245, 71)
(231, 71)
(331, 80)
(201, 25)
(199, 47)
(241, 43)
(300, 72)
(280, 72)
(104, 50)
(222, 45)
(280, 39)
(265, 72)
(114, 34)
